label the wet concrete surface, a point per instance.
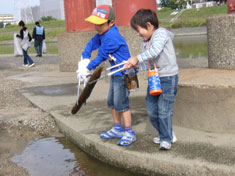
(54, 90)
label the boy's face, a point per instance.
(145, 33)
(21, 27)
(102, 28)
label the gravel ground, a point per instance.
(20, 121)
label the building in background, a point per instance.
(54, 8)
(33, 10)
(7, 19)
(100, 2)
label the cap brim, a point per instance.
(96, 20)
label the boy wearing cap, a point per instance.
(109, 42)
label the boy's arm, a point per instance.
(30, 38)
(34, 32)
(43, 34)
(93, 44)
(21, 34)
(158, 42)
(107, 47)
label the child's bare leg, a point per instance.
(116, 116)
(127, 118)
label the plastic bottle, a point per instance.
(154, 83)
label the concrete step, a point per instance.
(197, 152)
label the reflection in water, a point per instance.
(59, 157)
(191, 47)
(187, 47)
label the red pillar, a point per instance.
(125, 9)
(75, 13)
(231, 6)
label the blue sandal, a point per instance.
(113, 133)
(127, 139)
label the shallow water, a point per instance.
(191, 47)
(186, 47)
(59, 157)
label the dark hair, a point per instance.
(37, 23)
(21, 23)
(143, 16)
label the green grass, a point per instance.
(47, 24)
(190, 17)
(52, 28)
(52, 48)
(165, 14)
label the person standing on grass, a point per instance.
(39, 36)
(25, 44)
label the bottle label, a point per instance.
(154, 83)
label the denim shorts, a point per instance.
(118, 97)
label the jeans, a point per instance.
(118, 97)
(38, 46)
(27, 58)
(160, 107)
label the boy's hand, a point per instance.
(82, 71)
(132, 62)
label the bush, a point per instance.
(189, 23)
(165, 9)
(1, 25)
(48, 18)
(8, 24)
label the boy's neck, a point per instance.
(152, 32)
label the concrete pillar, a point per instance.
(125, 9)
(75, 13)
(231, 6)
(221, 45)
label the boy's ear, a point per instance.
(111, 23)
(149, 26)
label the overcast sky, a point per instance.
(7, 6)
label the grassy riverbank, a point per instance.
(189, 17)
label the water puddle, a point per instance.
(59, 157)
(191, 47)
(54, 90)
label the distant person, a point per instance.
(25, 44)
(39, 36)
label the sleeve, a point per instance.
(30, 38)
(44, 37)
(107, 47)
(158, 42)
(21, 34)
(93, 44)
(34, 32)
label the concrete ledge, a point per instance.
(205, 100)
(145, 162)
